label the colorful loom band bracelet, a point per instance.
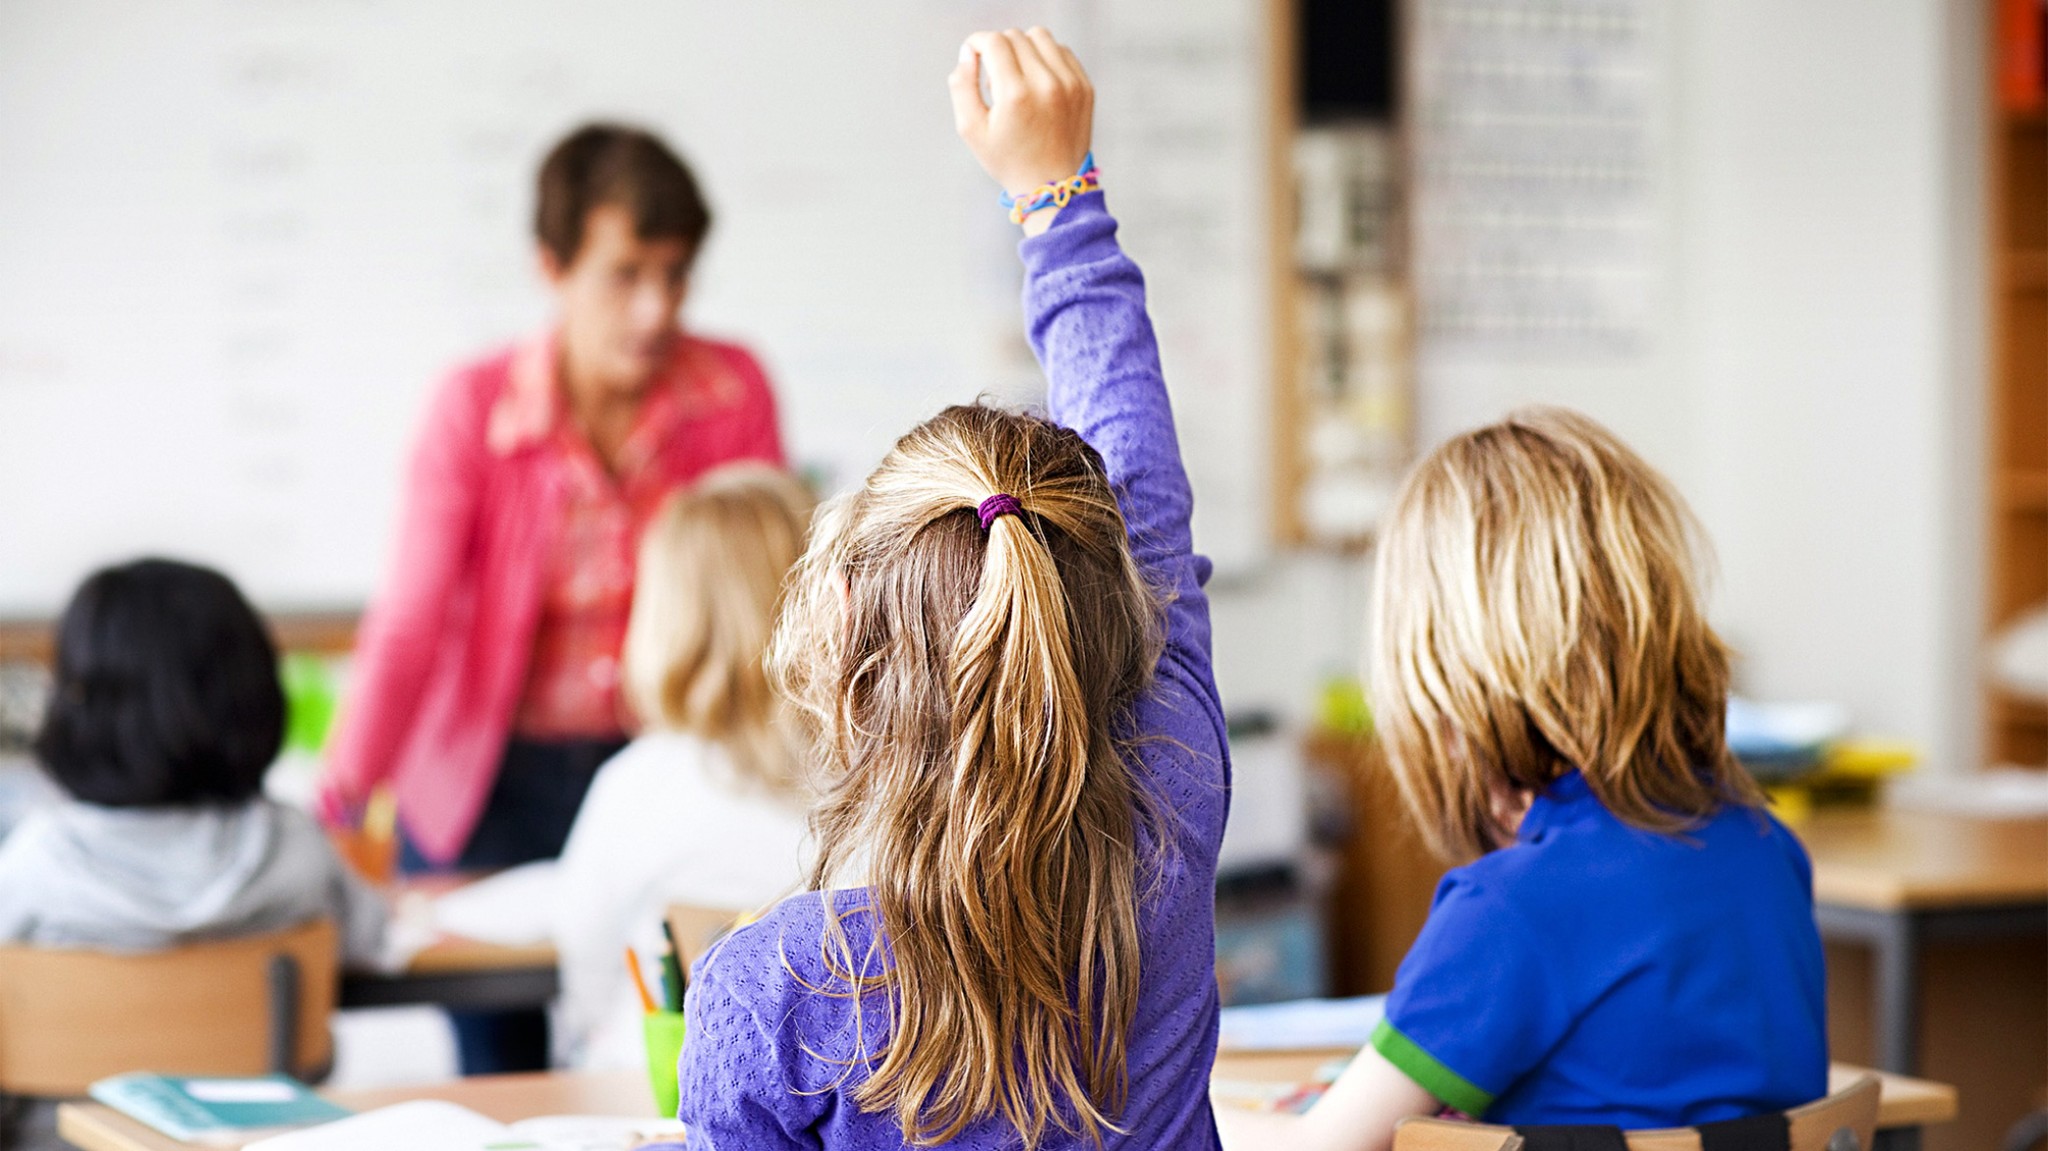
(1088, 179)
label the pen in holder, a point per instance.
(662, 1024)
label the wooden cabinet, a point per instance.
(1385, 876)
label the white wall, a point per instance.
(1817, 391)
(1817, 221)
(240, 245)
(1283, 631)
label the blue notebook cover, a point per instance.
(216, 1109)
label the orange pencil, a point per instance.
(639, 980)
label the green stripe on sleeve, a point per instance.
(1428, 1073)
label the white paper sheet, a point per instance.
(421, 1125)
(1301, 1024)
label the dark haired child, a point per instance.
(166, 712)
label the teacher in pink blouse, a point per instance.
(486, 682)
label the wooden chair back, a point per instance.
(229, 1007)
(696, 928)
(1853, 1108)
(1419, 1134)
(1813, 1127)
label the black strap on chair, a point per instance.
(1771, 1131)
(1560, 1137)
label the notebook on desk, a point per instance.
(215, 1111)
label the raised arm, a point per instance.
(1084, 301)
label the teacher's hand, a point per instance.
(335, 808)
(1035, 128)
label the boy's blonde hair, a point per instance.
(1535, 610)
(711, 572)
(963, 684)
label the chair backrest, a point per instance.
(696, 928)
(242, 1006)
(1451, 1135)
(1853, 1107)
(1812, 1127)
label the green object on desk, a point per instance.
(664, 1032)
(1341, 706)
(309, 700)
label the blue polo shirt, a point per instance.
(1591, 972)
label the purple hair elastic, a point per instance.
(1000, 504)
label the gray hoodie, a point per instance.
(76, 875)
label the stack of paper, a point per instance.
(433, 1125)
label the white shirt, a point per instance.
(667, 820)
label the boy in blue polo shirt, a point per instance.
(1631, 939)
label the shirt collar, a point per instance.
(530, 409)
(1557, 803)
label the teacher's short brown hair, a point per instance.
(613, 165)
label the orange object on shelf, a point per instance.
(2020, 66)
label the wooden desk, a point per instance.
(1885, 859)
(506, 1098)
(463, 974)
(1906, 1104)
(466, 974)
(1895, 879)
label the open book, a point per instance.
(434, 1125)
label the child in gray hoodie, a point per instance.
(165, 713)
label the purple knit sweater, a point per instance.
(772, 1064)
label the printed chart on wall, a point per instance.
(1536, 165)
(1183, 108)
(244, 239)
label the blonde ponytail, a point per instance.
(969, 733)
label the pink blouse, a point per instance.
(572, 688)
(485, 624)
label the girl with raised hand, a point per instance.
(1001, 644)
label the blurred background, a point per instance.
(1794, 251)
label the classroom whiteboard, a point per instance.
(240, 240)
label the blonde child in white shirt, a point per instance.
(705, 807)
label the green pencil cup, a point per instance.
(664, 1032)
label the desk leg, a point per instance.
(1896, 1139)
(1897, 978)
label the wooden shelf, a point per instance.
(324, 632)
(2023, 490)
(24, 641)
(2019, 726)
(1283, 120)
(2024, 710)
(2026, 271)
